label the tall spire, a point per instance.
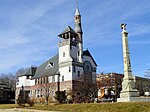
(78, 28)
(77, 9)
(76, 3)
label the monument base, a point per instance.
(134, 99)
(129, 96)
(126, 94)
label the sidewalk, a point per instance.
(24, 110)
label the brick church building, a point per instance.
(71, 69)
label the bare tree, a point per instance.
(10, 80)
(47, 88)
(147, 73)
(21, 71)
(86, 88)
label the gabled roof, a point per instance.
(68, 29)
(27, 72)
(48, 68)
(87, 53)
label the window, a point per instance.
(62, 78)
(27, 77)
(74, 69)
(38, 92)
(78, 53)
(40, 80)
(50, 79)
(53, 93)
(78, 73)
(44, 80)
(35, 93)
(63, 54)
(35, 81)
(31, 92)
(76, 17)
(41, 92)
(50, 65)
(53, 78)
(69, 69)
(81, 55)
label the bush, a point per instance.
(23, 98)
(60, 96)
(42, 100)
(50, 99)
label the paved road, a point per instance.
(23, 110)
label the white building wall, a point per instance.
(64, 71)
(56, 78)
(32, 82)
(50, 79)
(64, 49)
(68, 76)
(23, 81)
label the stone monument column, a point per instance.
(128, 92)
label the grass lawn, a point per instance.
(99, 107)
(7, 106)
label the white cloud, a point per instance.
(24, 42)
(29, 33)
(138, 29)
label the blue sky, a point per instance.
(29, 29)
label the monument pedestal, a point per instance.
(128, 93)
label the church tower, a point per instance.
(71, 53)
(78, 30)
(70, 67)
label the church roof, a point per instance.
(68, 29)
(87, 53)
(27, 72)
(48, 68)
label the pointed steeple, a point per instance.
(78, 28)
(77, 9)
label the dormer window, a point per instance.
(50, 65)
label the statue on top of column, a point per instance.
(123, 26)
